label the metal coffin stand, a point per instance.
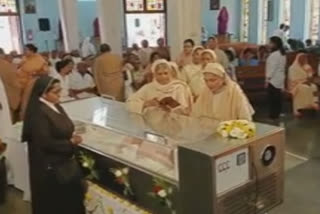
(211, 175)
(262, 191)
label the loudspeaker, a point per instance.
(44, 24)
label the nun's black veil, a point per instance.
(40, 87)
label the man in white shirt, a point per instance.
(283, 34)
(275, 77)
(280, 32)
(63, 71)
(81, 82)
(145, 53)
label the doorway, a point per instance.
(10, 33)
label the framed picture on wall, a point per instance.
(214, 4)
(30, 6)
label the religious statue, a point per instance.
(223, 20)
(96, 28)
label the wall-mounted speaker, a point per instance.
(44, 24)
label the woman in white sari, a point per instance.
(163, 92)
(192, 74)
(222, 98)
(300, 85)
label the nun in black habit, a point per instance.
(55, 175)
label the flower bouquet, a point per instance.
(88, 163)
(122, 178)
(237, 129)
(162, 192)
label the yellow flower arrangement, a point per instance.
(237, 129)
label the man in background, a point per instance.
(308, 43)
(280, 32)
(222, 57)
(162, 49)
(81, 82)
(145, 53)
(108, 74)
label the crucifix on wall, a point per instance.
(214, 4)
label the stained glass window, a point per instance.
(145, 19)
(287, 11)
(245, 20)
(134, 5)
(8, 6)
(315, 18)
(155, 5)
(265, 8)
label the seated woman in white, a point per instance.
(64, 69)
(303, 91)
(193, 72)
(81, 82)
(176, 72)
(222, 98)
(164, 92)
(195, 67)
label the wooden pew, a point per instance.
(252, 81)
(312, 58)
(238, 46)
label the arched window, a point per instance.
(145, 19)
(245, 8)
(315, 19)
(10, 26)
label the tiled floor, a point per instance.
(302, 177)
(15, 204)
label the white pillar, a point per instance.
(111, 18)
(184, 22)
(69, 20)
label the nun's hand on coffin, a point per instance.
(151, 103)
(76, 140)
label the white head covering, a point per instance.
(237, 105)
(212, 53)
(172, 85)
(157, 63)
(175, 68)
(197, 48)
(215, 68)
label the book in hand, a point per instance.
(169, 102)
